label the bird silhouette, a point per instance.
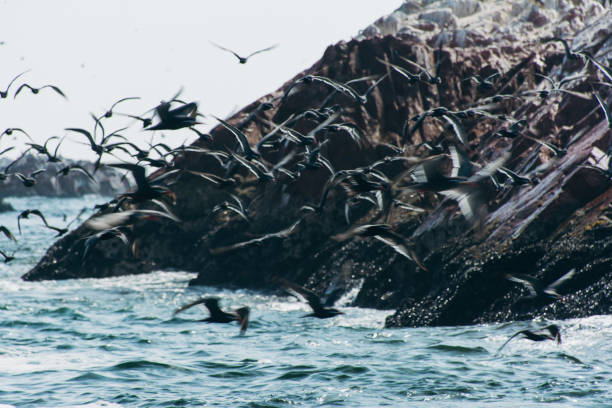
(4, 94)
(26, 215)
(319, 310)
(36, 90)
(550, 332)
(243, 60)
(240, 315)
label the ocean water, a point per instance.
(115, 343)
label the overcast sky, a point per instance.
(100, 51)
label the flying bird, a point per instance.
(112, 220)
(29, 181)
(550, 332)
(26, 215)
(243, 60)
(537, 289)
(36, 90)
(240, 315)
(104, 235)
(319, 310)
(387, 235)
(4, 94)
(256, 241)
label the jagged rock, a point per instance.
(543, 230)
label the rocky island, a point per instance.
(491, 79)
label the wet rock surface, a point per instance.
(542, 230)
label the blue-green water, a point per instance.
(114, 343)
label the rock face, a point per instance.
(50, 183)
(541, 230)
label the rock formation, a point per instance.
(542, 230)
(51, 183)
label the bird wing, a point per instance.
(508, 341)
(461, 164)
(20, 88)
(81, 169)
(226, 49)
(402, 71)
(188, 305)
(457, 127)
(528, 281)
(569, 275)
(401, 249)
(606, 109)
(91, 140)
(468, 199)
(7, 233)
(262, 50)
(137, 171)
(123, 100)
(56, 89)
(345, 89)
(14, 79)
(108, 221)
(241, 137)
(301, 292)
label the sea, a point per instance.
(115, 343)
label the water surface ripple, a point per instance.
(114, 343)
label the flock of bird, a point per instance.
(466, 183)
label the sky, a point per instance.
(100, 51)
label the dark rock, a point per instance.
(542, 230)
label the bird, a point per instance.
(109, 112)
(4, 94)
(483, 84)
(238, 208)
(7, 233)
(146, 122)
(43, 149)
(340, 87)
(217, 181)
(256, 241)
(26, 214)
(29, 181)
(319, 310)
(517, 179)
(256, 167)
(177, 118)
(92, 240)
(36, 90)
(424, 75)
(7, 258)
(64, 171)
(240, 315)
(104, 146)
(387, 235)
(112, 220)
(536, 287)
(606, 71)
(9, 132)
(550, 332)
(145, 190)
(605, 108)
(569, 54)
(248, 152)
(243, 60)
